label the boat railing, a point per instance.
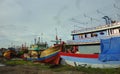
(95, 28)
(90, 40)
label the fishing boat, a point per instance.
(96, 47)
(92, 36)
(35, 49)
(10, 53)
(108, 58)
(49, 55)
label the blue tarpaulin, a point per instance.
(110, 49)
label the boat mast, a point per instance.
(38, 40)
(56, 38)
(35, 41)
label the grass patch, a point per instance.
(17, 62)
(63, 68)
(26, 63)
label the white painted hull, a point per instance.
(89, 62)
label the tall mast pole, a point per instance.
(56, 36)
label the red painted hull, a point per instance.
(79, 55)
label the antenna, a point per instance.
(99, 12)
(77, 21)
(41, 37)
(56, 35)
(56, 30)
(56, 39)
(38, 40)
(91, 18)
(35, 41)
(25, 45)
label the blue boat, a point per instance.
(104, 40)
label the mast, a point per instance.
(38, 40)
(35, 41)
(56, 38)
(41, 37)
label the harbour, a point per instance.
(54, 37)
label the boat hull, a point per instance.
(85, 61)
(50, 55)
(51, 59)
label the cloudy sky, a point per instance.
(23, 20)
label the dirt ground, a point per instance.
(30, 70)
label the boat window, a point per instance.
(111, 31)
(95, 35)
(85, 35)
(116, 31)
(101, 33)
(81, 36)
(92, 35)
(73, 37)
(119, 30)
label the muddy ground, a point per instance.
(28, 67)
(21, 69)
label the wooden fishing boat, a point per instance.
(10, 53)
(35, 49)
(49, 55)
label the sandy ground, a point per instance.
(30, 70)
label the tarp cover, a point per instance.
(110, 49)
